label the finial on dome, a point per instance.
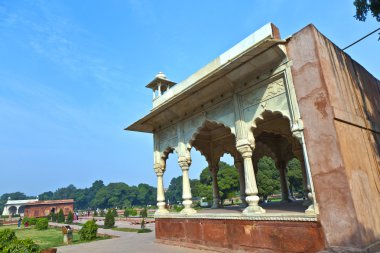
(161, 75)
(160, 84)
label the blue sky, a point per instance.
(73, 75)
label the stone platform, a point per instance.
(235, 232)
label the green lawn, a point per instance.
(51, 237)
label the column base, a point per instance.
(310, 210)
(161, 208)
(161, 211)
(253, 205)
(253, 210)
(188, 211)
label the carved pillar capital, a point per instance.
(159, 169)
(245, 150)
(184, 162)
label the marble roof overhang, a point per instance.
(259, 51)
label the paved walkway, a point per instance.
(125, 242)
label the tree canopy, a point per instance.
(295, 176)
(98, 195)
(268, 177)
(363, 6)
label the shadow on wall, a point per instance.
(372, 248)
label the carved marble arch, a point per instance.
(276, 123)
(213, 139)
(164, 155)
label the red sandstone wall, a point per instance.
(44, 210)
(342, 99)
(237, 235)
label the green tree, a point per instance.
(61, 216)
(109, 221)
(46, 196)
(228, 182)
(174, 192)
(268, 177)
(70, 217)
(126, 213)
(295, 176)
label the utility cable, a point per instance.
(361, 39)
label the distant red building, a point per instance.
(44, 208)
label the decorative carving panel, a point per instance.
(263, 93)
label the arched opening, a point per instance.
(275, 142)
(219, 180)
(21, 209)
(12, 210)
(172, 179)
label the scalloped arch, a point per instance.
(261, 118)
(203, 125)
(167, 151)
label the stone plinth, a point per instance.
(241, 235)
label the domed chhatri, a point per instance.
(160, 84)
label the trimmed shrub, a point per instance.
(70, 218)
(24, 246)
(30, 220)
(10, 244)
(132, 212)
(61, 216)
(126, 213)
(52, 217)
(6, 237)
(114, 212)
(102, 214)
(95, 213)
(42, 223)
(109, 221)
(88, 231)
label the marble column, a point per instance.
(250, 181)
(159, 169)
(215, 188)
(184, 163)
(159, 89)
(239, 166)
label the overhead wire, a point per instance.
(362, 38)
